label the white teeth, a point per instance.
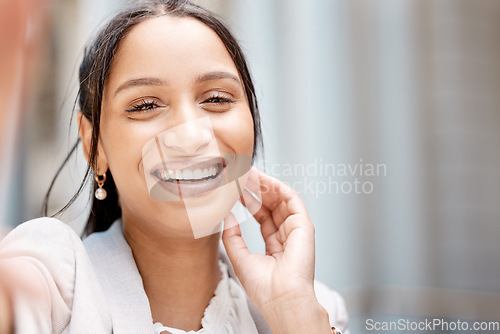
(204, 173)
(188, 174)
(197, 174)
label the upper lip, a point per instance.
(198, 163)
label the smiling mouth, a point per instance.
(188, 179)
(189, 175)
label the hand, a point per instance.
(281, 282)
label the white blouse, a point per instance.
(226, 313)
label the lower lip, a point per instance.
(192, 188)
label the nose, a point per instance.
(190, 137)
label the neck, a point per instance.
(179, 275)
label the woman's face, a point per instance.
(174, 121)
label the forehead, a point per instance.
(170, 46)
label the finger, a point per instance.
(298, 243)
(236, 247)
(282, 201)
(279, 201)
(274, 191)
(251, 202)
(269, 220)
(268, 229)
(253, 182)
(267, 226)
(273, 245)
(292, 224)
(280, 213)
(250, 182)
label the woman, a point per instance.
(169, 125)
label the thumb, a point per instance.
(236, 247)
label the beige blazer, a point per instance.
(94, 286)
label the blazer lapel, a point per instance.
(122, 284)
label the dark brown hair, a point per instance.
(94, 70)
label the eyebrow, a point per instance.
(219, 75)
(140, 82)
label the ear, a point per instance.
(85, 131)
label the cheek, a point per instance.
(235, 133)
(123, 142)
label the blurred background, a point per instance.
(383, 114)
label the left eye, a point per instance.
(218, 103)
(142, 106)
(218, 100)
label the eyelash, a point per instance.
(143, 106)
(220, 100)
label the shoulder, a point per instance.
(334, 304)
(48, 246)
(41, 236)
(36, 223)
(42, 259)
(47, 250)
(44, 226)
